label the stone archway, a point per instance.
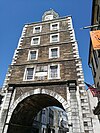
(28, 105)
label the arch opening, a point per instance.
(28, 107)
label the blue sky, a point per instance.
(15, 13)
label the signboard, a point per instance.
(95, 37)
(41, 74)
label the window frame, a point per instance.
(51, 41)
(29, 55)
(25, 72)
(35, 38)
(34, 29)
(50, 52)
(58, 71)
(51, 26)
(85, 123)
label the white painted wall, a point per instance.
(93, 103)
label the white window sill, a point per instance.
(28, 79)
(53, 57)
(54, 78)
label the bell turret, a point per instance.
(49, 15)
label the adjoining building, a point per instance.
(95, 120)
(94, 51)
(46, 70)
(51, 120)
(60, 121)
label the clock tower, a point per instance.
(46, 70)
(49, 15)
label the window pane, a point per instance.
(85, 124)
(55, 38)
(29, 74)
(32, 55)
(53, 73)
(54, 26)
(37, 29)
(35, 40)
(54, 52)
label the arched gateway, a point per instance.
(46, 70)
(25, 108)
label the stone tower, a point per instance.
(46, 70)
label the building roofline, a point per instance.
(48, 20)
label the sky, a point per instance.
(14, 14)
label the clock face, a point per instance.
(48, 17)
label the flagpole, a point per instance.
(90, 26)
